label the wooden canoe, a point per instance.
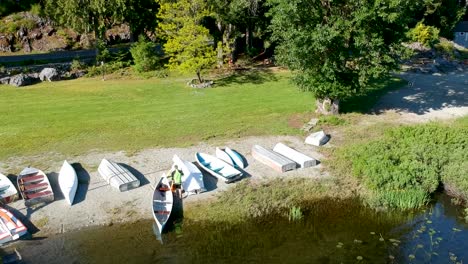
(34, 187)
(8, 192)
(161, 204)
(218, 168)
(68, 182)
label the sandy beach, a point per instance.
(97, 203)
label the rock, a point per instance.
(5, 80)
(49, 74)
(5, 44)
(26, 45)
(193, 83)
(311, 124)
(20, 80)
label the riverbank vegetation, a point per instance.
(402, 167)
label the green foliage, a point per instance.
(106, 68)
(11, 6)
(423, 34)
(332, 120)
(405, 166)
(17, 22)
(76, 65)
(338, 47)
(295, 214)
(188, 42)
(144, 55)
(36, 9)
(443, 14)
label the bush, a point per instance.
(405, 166)
(426, 35)
(144, 55)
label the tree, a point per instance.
(336, 47)
(188, 42)
(144, 55)
(443, 14)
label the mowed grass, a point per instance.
(73, 117)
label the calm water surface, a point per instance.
(330, 232)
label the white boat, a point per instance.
(300, 158)
(317, 139)
(236, 157)
(218, 168)
(117, 176)
(34, 187)
(161, 204)
(68, 182)
(221, 154)
(11, 227)
(8, 192)
(192, 178)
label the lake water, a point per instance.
(330, 232)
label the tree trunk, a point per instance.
(220, 45)
(328, 106)
(199, 77)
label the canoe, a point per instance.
(68, 182)
(34, 187)
(117, 176)
(8, 192)
(221, 154)
(192, 178)
(236, 157)
(161, 204)
(218, 168)
(11, 227)
(300, 158)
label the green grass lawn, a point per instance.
(73, 117)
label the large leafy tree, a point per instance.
(443, 14)
(336, 47)
(189, 43)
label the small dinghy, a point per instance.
(218, 168)
(163, 200)
(117, 176)
(8, 192)
(11, 228)
(222, 155)
(68, 182)
(317, 139)
(236, 157)
(34, 187)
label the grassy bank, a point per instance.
(73, 117)
(402, 167)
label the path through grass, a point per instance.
(73, 117)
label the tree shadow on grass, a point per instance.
(365, 101)
(247, 76)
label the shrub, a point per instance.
(405, 166)
(426, 35)
(36, 9)
(144, 55)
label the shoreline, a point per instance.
(98, 204)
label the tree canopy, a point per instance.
(337, 47)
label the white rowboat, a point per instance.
(34, 187)
(161, 204)
(68, 182)
(221, 154)
(236, 157)
(192, 178)
(11, 228)
(8, 192)
(218, 168)
(117, 176)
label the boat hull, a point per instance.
(34, 187)
(11, 228)
(118, 176)
(68, 182)
(8, 193)
(236, 157)
(218, 168)
(162, 204)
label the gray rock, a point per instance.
(21, 80)
(5, 80)
(49, 74)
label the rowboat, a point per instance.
(218, 168)
(162, 204)
(117, 176)
(34, 187)
(8, 192)
(192, 178)
(222, 155)
(68, 182)
(236, 157)
(11, 228)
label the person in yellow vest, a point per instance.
(177, 177)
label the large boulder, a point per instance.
(5, 80)
(5, 44)
(21, 80)
(49, 74)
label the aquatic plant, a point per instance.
(295, 213)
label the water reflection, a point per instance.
(330, 232)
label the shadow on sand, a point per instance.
(139, 175)
(83, 183)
